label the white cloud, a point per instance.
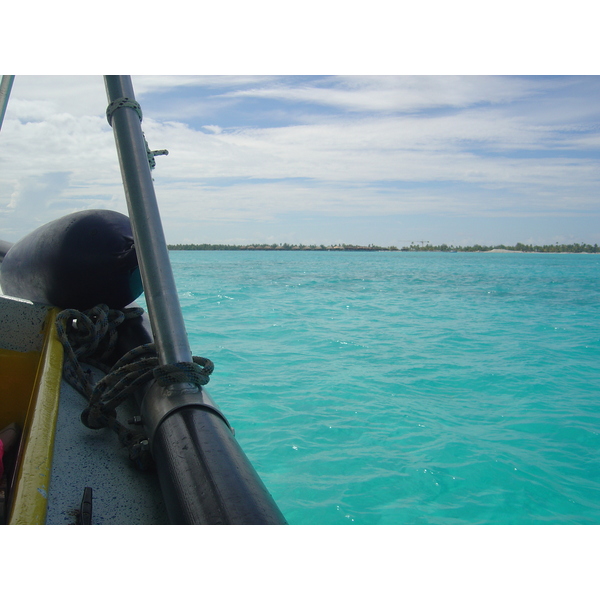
(398, 93)
(77, 95)
(392, 145)
(392, 149)
(145, 84)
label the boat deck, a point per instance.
(81, 457)
(95, 458)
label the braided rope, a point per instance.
(91, 335)
(120, 103)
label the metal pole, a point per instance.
(204, 475)
(5, 87)
(164, 309)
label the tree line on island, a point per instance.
(568, 248)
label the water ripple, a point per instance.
(401, 388)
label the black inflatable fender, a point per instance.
(78, 261)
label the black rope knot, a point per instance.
(197, 372)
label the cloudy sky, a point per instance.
(319, 159)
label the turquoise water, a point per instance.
(407, 388)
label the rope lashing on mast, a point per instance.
(90, 336)
(128, 102)
(121, 103)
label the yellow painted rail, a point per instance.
(30, 493)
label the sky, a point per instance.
(385, 160)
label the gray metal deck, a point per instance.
(122, 495)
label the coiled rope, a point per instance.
(90, 336)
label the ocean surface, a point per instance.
(407, 388)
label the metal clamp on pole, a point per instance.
(158, 403)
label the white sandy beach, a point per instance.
(503, 250)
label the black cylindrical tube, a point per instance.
(205, 476)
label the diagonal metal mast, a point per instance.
(5, 87)
(164, 309)
(204, 475)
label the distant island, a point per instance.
(556, 248)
